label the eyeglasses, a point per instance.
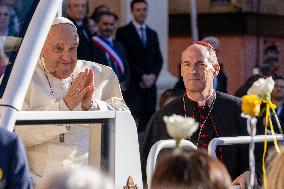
(5, 14)
(205, 44)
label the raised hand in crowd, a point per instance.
(148, 80)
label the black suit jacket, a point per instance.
(221, 82)
(141, 60)
(100, 57)
(85, 48)
(13, 162)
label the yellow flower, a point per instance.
(1, 174)
(251, 105)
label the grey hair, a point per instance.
(211, 57)
(210, 54)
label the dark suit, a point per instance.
(141, 60)
(13, 163)
(100, 57)
(221, 81)
(85, 48)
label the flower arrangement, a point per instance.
(180, 127)
(258, 94)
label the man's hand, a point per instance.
(243, 180)
(87, 99)
(148, 80)
(77, 90)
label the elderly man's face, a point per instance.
(77, 9)
(60, 50)
(278, 91)
(196, 71)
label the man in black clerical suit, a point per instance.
(218, 114)
(108, 51)
(76, 12)
(145, 62)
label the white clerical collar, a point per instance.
(138, 26)
(207, 100)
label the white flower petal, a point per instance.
(179, 127)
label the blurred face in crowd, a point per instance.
(139, 12)
(106, 26)
(60, 50)
(92, 26)
(278, 91)
(196, 70)
(4, 18)
(77, 9)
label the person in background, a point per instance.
(5, 20)
(77, 11)
(93, 18)
(98, 10)
(190, 169)
(145, 62)
(14, 169)
(220, 81)
(275, 172)
(277, 97)
(218, 114)
(108, 51)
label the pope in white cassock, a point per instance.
(63, 83)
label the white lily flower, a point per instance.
(180, 127)
(262, 87)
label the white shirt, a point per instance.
(138, 29)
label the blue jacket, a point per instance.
(14, 171)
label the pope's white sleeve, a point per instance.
(39, 134)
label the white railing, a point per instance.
(238, 140)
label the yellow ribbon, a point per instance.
(269, 105)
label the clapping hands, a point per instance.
(81, 91)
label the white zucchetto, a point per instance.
(62, 20)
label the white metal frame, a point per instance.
(238, 140)
(153, 155)
(124, 148)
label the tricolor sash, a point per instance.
(110, 51)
